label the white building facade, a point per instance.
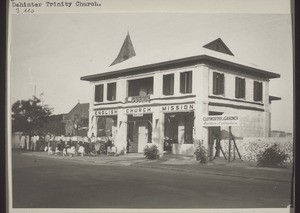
(163, 102)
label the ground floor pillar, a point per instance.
(121, 139)
(200, 132)
(158, 130)
(92, 124)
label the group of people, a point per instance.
(68, 144)
(30, 141)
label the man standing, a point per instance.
(23, 138)
(47, 140)
(27, 142)
(33, 142)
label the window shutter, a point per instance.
(260, 91)
(190, 81)
(215, 83)
(255, 91)
(237, 88)
(111, 91)
(168, 84)
(221, 84)
(99, 93)
(182, 82)
(243, 88)
(172, 84)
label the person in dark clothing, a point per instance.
(128, 144)
(109, 145)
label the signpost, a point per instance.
(224, 120)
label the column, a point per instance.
(92, 116)
(121, 141)
(177, 83)
(121, 89)
(266, 113)
(200, 88)
(104, 92)
(158, 130)
(157, 85)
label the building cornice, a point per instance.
(177, 63)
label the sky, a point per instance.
(50, 52)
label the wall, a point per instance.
(251, 122)
(254, 115)
(250, 147)
(16, 139)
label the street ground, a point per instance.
(131, 181)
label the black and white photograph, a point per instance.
(149, 110)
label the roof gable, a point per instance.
(80, 109)
(219, 46)
(126, 51)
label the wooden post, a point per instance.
(233, 152)
(229, 145)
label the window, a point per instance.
(186, 82)
(140, 87)
(111, 91)
(239, 87)
(99, 93)
(218, 83)
(257, 93)
(168, 84)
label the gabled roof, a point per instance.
(219, 46)
(126, 51)
(176, 56)
(80, 109)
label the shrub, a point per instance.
(151, 152)
(201, 154)
(272, 157)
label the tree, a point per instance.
(29, 115)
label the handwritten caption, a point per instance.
(27, 7)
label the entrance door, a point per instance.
(139, 131)
(142, 137)
(214, 142)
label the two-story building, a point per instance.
(161, 99)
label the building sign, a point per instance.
(139, 110)
(106, 112)
(138, 99)
(138, 115)
(178, 108)
(220, 120)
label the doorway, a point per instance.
(139, 132)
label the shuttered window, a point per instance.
(99, 93)
(258, 91)
(239, 87)
(218, 83)
(111, 91)
(168, 84)
(186, 82)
